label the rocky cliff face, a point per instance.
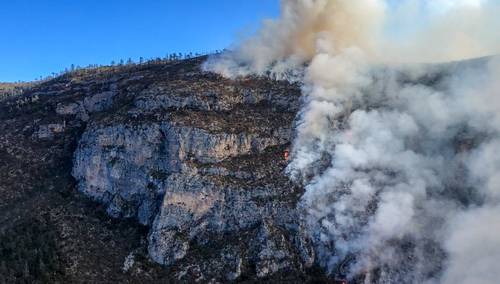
(194, 158)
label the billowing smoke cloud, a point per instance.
(400, 160)
(385, 30)
(400, 167)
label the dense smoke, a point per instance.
(400, 160)
(385, 30)
(398, 167)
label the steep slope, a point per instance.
(183, 168)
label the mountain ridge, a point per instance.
(204, 193)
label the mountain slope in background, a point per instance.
(189, 164)
(153, 173)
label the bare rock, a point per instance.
(49, 130)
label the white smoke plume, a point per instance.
(385, 30)
(400, 161)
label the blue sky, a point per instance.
(44, 36)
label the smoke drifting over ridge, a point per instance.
(401, 161)
(385, 30)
